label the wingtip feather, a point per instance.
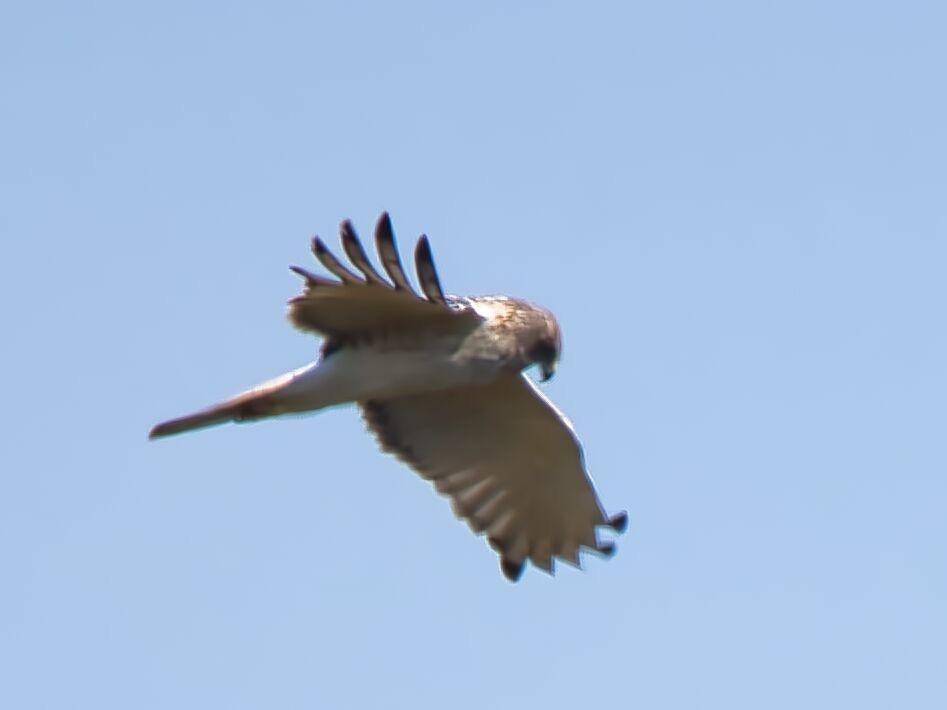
(619, 522)
(427, 272)
(312, 280)
(388, 251)
(512, 569)
(332, 264)
(352, 246)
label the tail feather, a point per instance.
(218, 414)
(295, 391)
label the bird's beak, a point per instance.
(547, 370)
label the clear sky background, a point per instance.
(736, 210)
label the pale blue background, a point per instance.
(737, 210)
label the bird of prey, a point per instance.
(440, 381)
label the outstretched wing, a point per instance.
(365, 306)
(510, 463)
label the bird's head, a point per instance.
(544, 350)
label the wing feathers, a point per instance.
(312, 281)
(328, 260)
(364, 306)
(427, 274)
(356, 254)
(618, 522)
(455, 482)
(513, 570)
(385, 243)
(509, 463)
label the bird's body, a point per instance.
(440, 381)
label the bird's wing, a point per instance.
(365, 305)
(510, 463)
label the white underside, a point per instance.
(358, 374)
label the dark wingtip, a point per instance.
(512, 570)
(312, 280)
(300, 271)
(606, 549)
(619, 522)
(427, 273)
(356, 253)
(384, 224)
(347, 232)
(319, 246)
(388, 251)
(422, 251)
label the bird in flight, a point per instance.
(441, 382)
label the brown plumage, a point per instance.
(440, 381)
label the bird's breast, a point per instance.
(358, 374)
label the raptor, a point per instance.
(441, 382)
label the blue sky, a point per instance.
(736, 210)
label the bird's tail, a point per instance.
(217, 414)
(285, 394)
